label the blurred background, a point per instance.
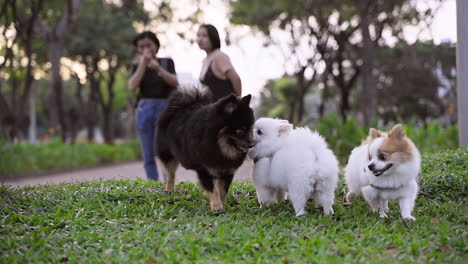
(338, 66)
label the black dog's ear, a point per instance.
(228, 104)
(246, 99)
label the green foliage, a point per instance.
(342, 137)
(444, 176)
(27, 158)
(138, 222)
(256, 13)
(122, 94)
(414, 75)
(277, 98)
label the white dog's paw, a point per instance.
(328, 211)
(409, 218)
(349, 197)
(383, 214)
(264, 204)
(375, 206)
(300, 212)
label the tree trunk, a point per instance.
(344, 104)
(129, 122)
(32, 117)
(107, 125)
(292, 110)
(93, 100)
(325, 95)
(55, 49)
(76, 116)
(303, 87)
(369, 90)
(299, 100)
(107, 109)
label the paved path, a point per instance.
(127, 171)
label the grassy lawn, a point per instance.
(137, 222)
(18, 159)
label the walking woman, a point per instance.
(217, 71)
(155, 78)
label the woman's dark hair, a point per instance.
(146, 34)
(212, 35)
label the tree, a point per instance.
(53, 30)
(19, 18)
(367, 10)
(342, 35)
(101, 41)
(262, 14)
(411, 80)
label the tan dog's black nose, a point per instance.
(371, 166)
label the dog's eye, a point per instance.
(240, 132)
(382, 156)
(259, 132)
(370, 157)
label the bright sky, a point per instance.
(256, 64)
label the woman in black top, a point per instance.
(156, 78)
(217, 71)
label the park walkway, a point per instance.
(125, 171)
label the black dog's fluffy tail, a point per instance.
(185, 98)
(189, 95)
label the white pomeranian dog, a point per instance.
(385, 167)
(293, 161)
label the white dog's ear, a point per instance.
(284, 129)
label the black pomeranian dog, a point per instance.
(209, 137)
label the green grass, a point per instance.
(26, 158)
(137, 222)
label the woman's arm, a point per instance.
(223, 65)
(168, 75)
(136, 77)
(235, 80)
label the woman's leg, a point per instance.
(146, 131)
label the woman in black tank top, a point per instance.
(217, 71)
(218, 87)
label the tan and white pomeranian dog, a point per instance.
(385, 167)
(293, 161)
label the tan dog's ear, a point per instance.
(374, 133)
(397, 132)
(284, 129)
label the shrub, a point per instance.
(342, 137)
(26, 158)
